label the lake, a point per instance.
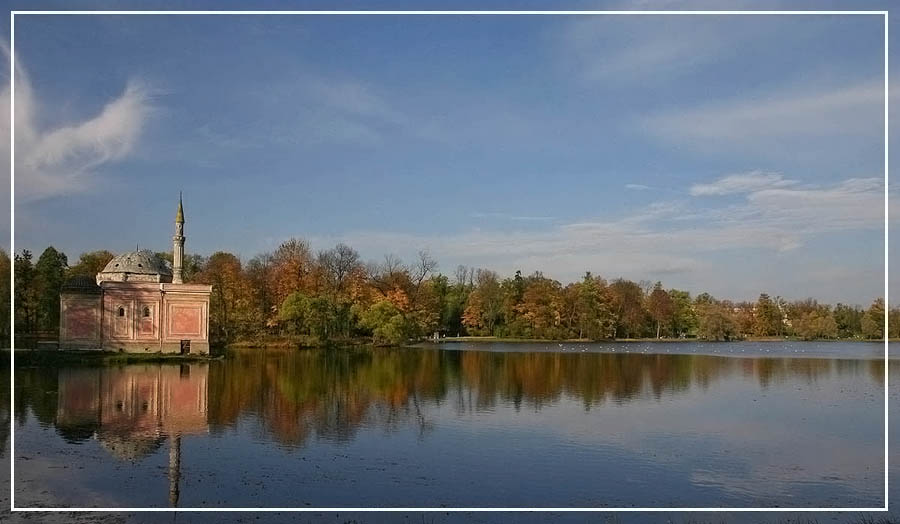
(462, 424)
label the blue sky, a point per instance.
(734, 155)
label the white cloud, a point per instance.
(62, 160)
(671, 239)
(741, 183)
(637, 187)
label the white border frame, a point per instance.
(12, 120)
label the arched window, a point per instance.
(121, 311)
(146, 312)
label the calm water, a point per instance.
(741, 424)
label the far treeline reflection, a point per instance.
(296, 295)
(332, 393)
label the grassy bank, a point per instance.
(297, 342)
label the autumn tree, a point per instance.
(659, 303)
(291, 268)
(340, 264)
(714, 322)
(872, 323)
(628, 308)
(484, 307)
(593, 309)
(815, 324)
(768, 317)
(229, 304)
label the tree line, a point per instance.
(297, 294)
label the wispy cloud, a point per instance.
(516, 218)
(637, 187)
(665, 238)
(741, 183)
(62, 160)
(622, 51)
(854, 111)
(330, 109)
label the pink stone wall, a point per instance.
(157, 317)
(81, 321)
(186, 320)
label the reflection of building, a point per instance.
(132, 410)
(137, 304)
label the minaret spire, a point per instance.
(179, 216)
(178, 245)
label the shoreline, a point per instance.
(505, 340)
(30, 357)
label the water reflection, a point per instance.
(335, 398)
(132, 410)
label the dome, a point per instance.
(129, 447)
(143, 266)
(81, 284)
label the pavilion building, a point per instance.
(137, 304)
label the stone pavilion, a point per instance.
(137, 304)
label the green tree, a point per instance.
(816, 324)
(768, 317)
(684, 318)
(386, 323)
(894, 323)
(26, 294)
(90, 263)
(628, 308)
(192, 264)
(873, 321)
(295, 312)
(714, 322)
(49, 274)
(593, 309)
(848, 320)
(5, 280)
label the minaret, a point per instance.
(178, 245)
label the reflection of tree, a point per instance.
(331, 394)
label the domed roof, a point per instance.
(129, 447)
(143, 262)
(81, 284)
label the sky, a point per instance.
(729, 154)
